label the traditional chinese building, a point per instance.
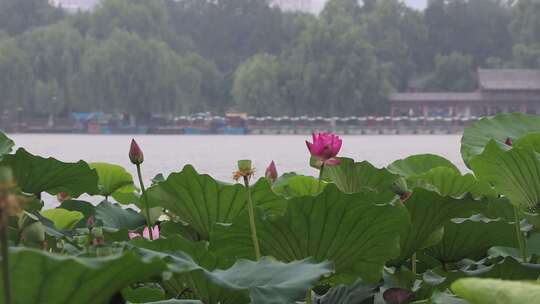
(509, 90)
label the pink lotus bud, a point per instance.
(146, 233)
(136, 155)
(325, 147)
(397, 296)
(62, 197)
(508, 141)
(90, 221)
(271, 172)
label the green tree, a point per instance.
(15, 76)
(17, 16)
(256, 88)
(453, 73)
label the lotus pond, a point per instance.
(417, 231)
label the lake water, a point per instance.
(217, 155)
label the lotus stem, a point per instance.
(319, 186)
(413, 263)
(6, 278)
(519, 235)
(145, 202)
(251, 212)
(308, 296)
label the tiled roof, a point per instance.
(509, 79)
(436, 97)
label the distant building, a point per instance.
(505, 90)
(75, 5)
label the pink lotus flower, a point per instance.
(325, 147)
(271, 172)
(136, 155)
(145, 234)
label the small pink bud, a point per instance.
(136, 155)
(90, 221)
(271, 172)
(62, 197)
(146, 233)
(398, 296)
(508, 141)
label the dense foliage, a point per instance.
(181, 57)
(417, 231)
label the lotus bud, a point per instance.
(62, 197)
(397, 296)
(99, 239)
(399, 187)
(136, 155)
(508, 141)
(90, 221)
(271, 172)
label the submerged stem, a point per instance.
(5, 257)
(519, 235)
(251, 212)
(145, 203)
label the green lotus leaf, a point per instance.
(471, 238)
(493, 291)
(265, 281)
(357, 232)
(429, 212)
(292, 185)
(35, 174)
(515, 173)
(40, 277)
(531, 141)
(356, 293)
(111, 178)
(498, 129)
(63, 219)
(448, 182)
(351, 177)
(418, 164)
(196, 280)
(115, 217)
(201, 201)
(6, 145)
(143, 294)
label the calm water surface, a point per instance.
(217, 155)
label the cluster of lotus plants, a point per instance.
(416, 231)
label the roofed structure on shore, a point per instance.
(501, 90)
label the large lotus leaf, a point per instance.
(492, 291)
(507, 269)
(6, 144)
(351, 177)
(356, 293)
(498, 128)
(63, 219)
(292, 185)
(471, 238)
(429, 211)
(35, 174)
(351, 230)
(531, 141)
(514, 173)
(266, 281)
(115, 217)
(418, 164)
(111, 178)
(39, 277)
(447, 182)
(197, 281)
(201, 201)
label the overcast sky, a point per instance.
(419, 4)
